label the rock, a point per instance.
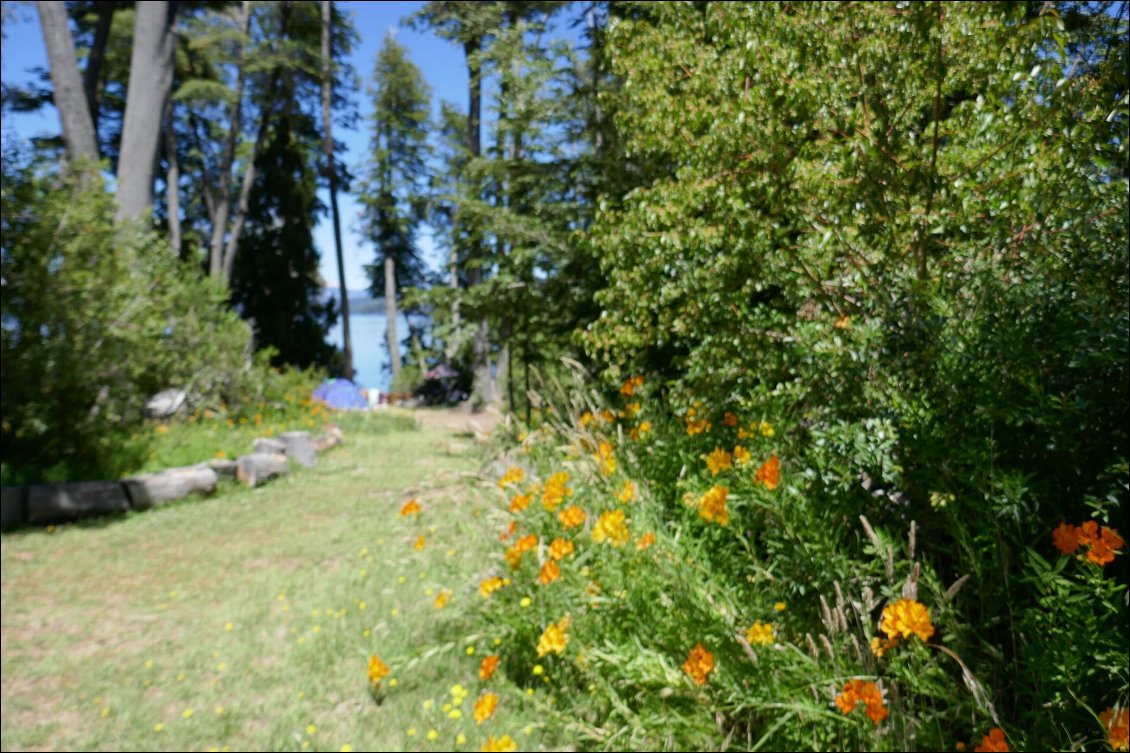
(13, 506)
(167, 486)
(59, 503)
(300, 447)
(223, 468)
(165, 403)
(258, 467)
(268, 446)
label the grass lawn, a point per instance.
(245, 621)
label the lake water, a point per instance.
(370, 349)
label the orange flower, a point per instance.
(1103, 548)
(510, 529)
(857, 691)
(550, 572)
(718, 460)
(441, 599)
(994, 741)
(729, 419)
(1065, 538)
(519, 502)
(487, 666)
(526, 543)
(1117, 726)
(645, 541)
(572, 516)
(769, 473)
(1087, 533)
(698, 664)
(504, 744)
(411, 507)
(377, 669)
(628, 387)
(905, 618)
(712, 506)
(555, 490)
(560, 548)
(485, 706)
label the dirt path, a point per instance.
(478, 425)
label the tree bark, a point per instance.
(331, 174)
(150, 80)
(223, 200)
(481, 387)
(390, 314)
(70, 101)
(172, 180)
(92, 75)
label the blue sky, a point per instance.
(440, 61)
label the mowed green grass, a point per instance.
(245, 621)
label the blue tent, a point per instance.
(341, 394)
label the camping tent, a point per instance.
(341, 394)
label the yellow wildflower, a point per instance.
(377, 669)
(905, 618)
(441, 599)
(489, 586)
(554, 638)
(717, 461)
(572, 516)
(560, 548)
(712, 505)
(555, 490)
(519, 502)
(485, 706)
(421, 542)
(611, 527)
(411, 507)
(504, 744)
(760, 633)
(766, 429)
(513, 475)
(628, 492)
(741, 455)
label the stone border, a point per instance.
(46, 504)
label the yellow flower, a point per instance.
(741, 455)
(311, 729)
(712, 506)
(717, 461)
(519, 502)
(905, 618)
(639, 431)
(555, 490)
(780, 606)
(560, 548)
(697, 426)
(554, 638)
(572, 516)
(628, 492)
(631, 409)
(699, 663)
(489, 586)
(766, 429)
(421, 542)
(186, 714)
(549, 572)
(504, 744)
(760, 633)
(377, 669)
(605, 459)
(411, 507)
(611, 527)
(485, 706)
(512, 476)
(586, 419)
(441, 599)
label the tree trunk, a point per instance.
(150, 80)
(223, 200)
(453, 281)
(481, 387)
(92, 75)
(70, 101)
(331, 174)
(172, 180)
(390, 314)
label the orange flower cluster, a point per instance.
(699, 663)
(769, 473)
(729, 419)
(857, 691)
(485, 706)
(1117, 726)
(522, 545)
(630, 386)
(554, 638)
(411, 507)
(378, 670)
(513, 475)
(717, 461)
(560, 548)
(519, 502)
(993, 742)
(611, 527)
(645, 541)
(1101, 545)
(712, 506)
(487, 666)
(571, 516)
(509, 531)
(550, 572)
(555, 490)
(905, 618)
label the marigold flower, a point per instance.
(519, 502)
(1103, 548)
(554, 638)
(717, 461)
(769, 473)
(741, 455)
(993, 742)
(560, 548)
(760, 633)
(611, 527)
(858, 691)
(377, 670)
(555, 490)
(513, 475)
(489, 586)
(628, 492)
(645, 541)
(411, 507)
(504, 744)
(550, 572)
(699, 663)
(905, 618)
(485, 706)
(1117, 726)
(712, 506)
(487, 666)
(571, 516)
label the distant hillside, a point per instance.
(360, 302)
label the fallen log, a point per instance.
(300, 448)
(170, 485)
(256, 468)
(60, 503)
